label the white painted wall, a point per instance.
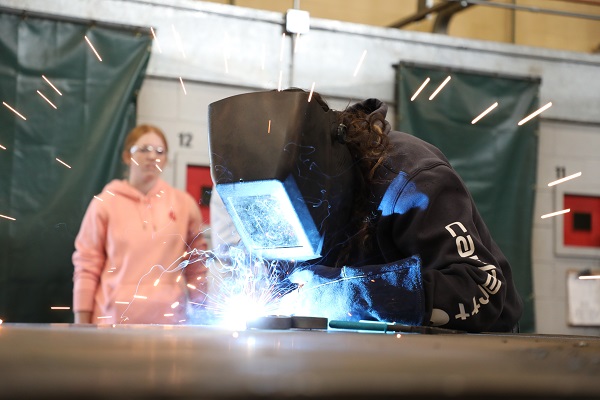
(229, 50)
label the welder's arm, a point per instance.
(466, 278)
(392, 293)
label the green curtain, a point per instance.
(94, 113)
(495, 157)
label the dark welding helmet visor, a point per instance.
(283, 174)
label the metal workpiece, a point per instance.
(200, 362)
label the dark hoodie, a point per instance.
(433, 261)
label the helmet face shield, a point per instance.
(283, 177)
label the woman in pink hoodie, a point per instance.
(139, 252)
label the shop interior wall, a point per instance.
(224, 50)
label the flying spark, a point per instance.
(589, 277)
(156, 282)
(420, 89)
(53, 87)
(93, 49)
(280, 79)
(178, 41)
(60, 308)
(63, 163)
(137, 296)
(157, 167)
(312, 90)
(175, 304)
(15, 111)
(362, 58)
(535, 113)
(2, 147)
(122, 302)
(566, 178)
(439, 88)
(483, 114)
(281, 47)
(182, 86)
(554, 214)
(135, 162)
(155, 39)
(269, 128)
(7, 217)
(111, 193)
(96, 197)
(45, 98)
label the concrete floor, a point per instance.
(62, 361)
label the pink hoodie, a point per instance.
(128, 251)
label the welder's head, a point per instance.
(280, 165)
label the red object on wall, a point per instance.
(581, 226)
(198, 184)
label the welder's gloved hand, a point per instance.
(390, 293)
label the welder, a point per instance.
(377, 223)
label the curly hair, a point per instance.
(369, 146)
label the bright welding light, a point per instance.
(566, 178)
(240, 309)
(535, 113)
(48, 100)
(420, 89)
(362, 58)
(554, 214)
(155, 39)
(15, 111)
(182, 86)
(53, 87)
(483, 114)
(439, 88)
(63, 163)
(93, 48)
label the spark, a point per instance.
(566, 178)
(93, 49)
(137, 296)
(554, 214)
(589, 277)
(2, 147)
(156, 282)
(440, 88)
(535, 113)
(45, 98)
(96, 197)
(60, 308)
(281, 47)
(269, 128)
(135, 162)
(483, 114)
(7, 217)
(155, 39)
(121, 302)
(191, 286)
(362, 58)
(111, 193)
(104, 317)
(178, 278)
(312, 89)
(280, 78)
(62, 162)
(178, 41)
(183, 86)
(15, 111)
(168, 315)
(420, 89)
(157, 167)
(175, 304)
(53, 87)
(296, 42)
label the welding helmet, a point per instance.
(279, 163)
